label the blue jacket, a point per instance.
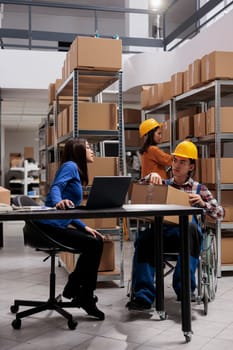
(66, 185)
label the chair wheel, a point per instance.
(16, 324)
(72, 324)
(14, 309)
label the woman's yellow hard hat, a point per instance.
(148, 125)
(186, 149)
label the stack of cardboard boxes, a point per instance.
(89, 55)
(194, 122)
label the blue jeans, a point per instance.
(143, 281)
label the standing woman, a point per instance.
(153, 159)
(65, 192)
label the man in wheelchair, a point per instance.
(183, 168)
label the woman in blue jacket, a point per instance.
(65, 192)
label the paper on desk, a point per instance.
(5, 207)
(33, 208)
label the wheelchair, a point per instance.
(206, 271)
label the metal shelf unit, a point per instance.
(91, 84)
(23, 178)
(213, 93)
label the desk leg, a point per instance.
(158, 227)
(185, 278)
(1, 234)
(121, 254)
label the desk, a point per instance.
(158, 211)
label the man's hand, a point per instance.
(195, 199)
(155, 179)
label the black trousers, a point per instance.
(90, 249)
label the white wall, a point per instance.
(35, 69)
(146, 68)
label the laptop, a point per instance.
(107, 192)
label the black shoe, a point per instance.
(68, 292)
(139, 304)
(90, 307)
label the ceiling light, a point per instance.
(155, 4)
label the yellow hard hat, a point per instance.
(186, 149)
(148, 125)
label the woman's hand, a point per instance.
(65, 204)
(93, 232)
(195, 199)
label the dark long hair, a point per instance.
(149, 141)
(75, 150)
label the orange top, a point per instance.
(155, 160)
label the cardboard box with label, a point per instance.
(159, 194)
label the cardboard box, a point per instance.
(16, 161)
(133, 139)
(166, 90)
(103, 166)
(228, 212)
(227, 247)
(199, 122)
(95, 116)
(177, 80)
(159, 194)
(5, 195)
(217, 65)
(226, 125)
(156, 95)
(194, 72)
(145, 97)
(50, 135)
(96, 53)
(28, 152)
(186, 85)
(107, 262)
(132, 116)
(101, 223)
(166, 131)
(185, 127)
(226, 174)
(51, 93)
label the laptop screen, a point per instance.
(108, 192)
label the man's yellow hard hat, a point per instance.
(186, 149)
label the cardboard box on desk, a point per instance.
(159, 194)
(5, 195)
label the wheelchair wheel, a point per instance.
(211, 257)
(203, 284)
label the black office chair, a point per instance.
(36, 238)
